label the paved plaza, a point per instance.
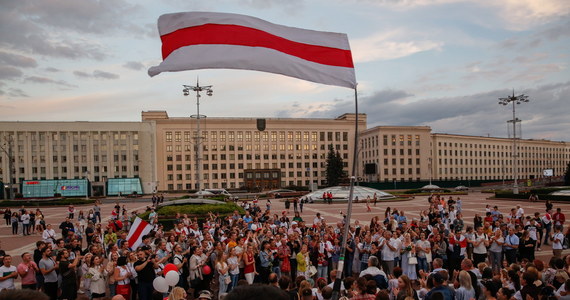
(473, 203)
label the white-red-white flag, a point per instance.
(138, 229)
(208, 40)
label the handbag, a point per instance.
(311, 271)
(412, 260)
(227, 279)
(123, 289)
(429, 257)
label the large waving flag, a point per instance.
(207, 40)
(138, 229)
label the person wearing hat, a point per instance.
(205, 295)
(294, 228)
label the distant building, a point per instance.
(97, 151)
(296, 148)
(159, 154)
(414, 153)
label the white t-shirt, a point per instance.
(451, 216)
(480, 249)
(425, 245)
(25, 219)
(8, 283)
(557, 245)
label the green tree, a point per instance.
(334, 167)
(567, 175)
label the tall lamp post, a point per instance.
(514, 100)
(198, 139)
(7, 149)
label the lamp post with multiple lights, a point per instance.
(514, 100)
(198, 139)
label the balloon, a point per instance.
(168, 268)
(160, 284)
(206, 270)
(172, 278)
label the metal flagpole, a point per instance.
(338, 280)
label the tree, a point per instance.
(567, 175)
(334, 167)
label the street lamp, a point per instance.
(430, 170)
(7, 148)
(514, 100)
(198, 143)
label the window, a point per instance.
(169, 136)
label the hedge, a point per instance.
(196, 209)
(57, 202)
(420, 192)
(544, 191)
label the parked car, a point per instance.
(461, 188)
(219, 192)
(204, 193)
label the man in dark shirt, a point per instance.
(38, 253)
(145, 273)
(68, 274)
(439, 287)
(65, 227)
(89, 232)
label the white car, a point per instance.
(461, 188)
(204, 193)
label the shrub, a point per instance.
(56, 202)
(198, 210)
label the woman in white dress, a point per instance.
(356, 258)
(408, 250)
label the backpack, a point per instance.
(381, 281)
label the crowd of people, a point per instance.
(435, 256)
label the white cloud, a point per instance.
(390, 45)
(516, 14)
(524, 14)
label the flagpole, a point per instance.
(338, 280)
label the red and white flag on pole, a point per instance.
(208, 40)
(138, 229)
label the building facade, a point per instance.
(164, 152)
(97, 151)
(491, 158)
(400, 153)
(296, 147)
(414, 153)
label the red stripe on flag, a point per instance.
(214, 34)
(138, 231)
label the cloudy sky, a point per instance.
(441, 63)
